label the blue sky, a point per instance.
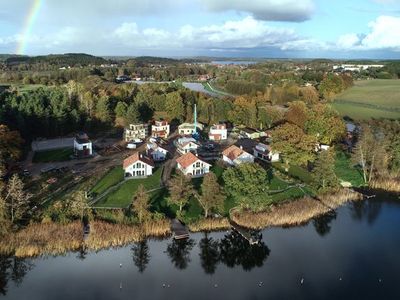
(245, 28)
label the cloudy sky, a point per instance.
(241, 28)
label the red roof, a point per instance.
(233, 152)
(187, 160)
(137, 157)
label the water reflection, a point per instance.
(322, 224)
(209, 254)
(13, 269)
(141, 255)
(368, 209)
(179, 252)
(236, 251)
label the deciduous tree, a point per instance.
(141, 203)
(180, 190)
(212, 196)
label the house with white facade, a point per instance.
(189, 128)
(265, 153)
(82, 145)
(186, 144)
(160, 129)
(138, 166)
(235, 156)
(218, 132)
(136, 131)
(156, 152)
(189, 164)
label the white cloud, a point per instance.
(384, 33)
(268, 10)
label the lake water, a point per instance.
(350, 254)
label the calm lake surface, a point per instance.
(353, 253)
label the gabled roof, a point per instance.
(233, 152)
(137, 157)
(188, 159)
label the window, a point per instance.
(198, 164)
(139, 165)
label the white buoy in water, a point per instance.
(302, 281)
(120, 285)
(215, 285)
(260, 284)
(380, 280)
(163, 285)
(120, 265)
(340, 278)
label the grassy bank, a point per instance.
(346, 171)
(122, 197)
(53, 155)
(56, 239)
(110, 179)
(293, 212)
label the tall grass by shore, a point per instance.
(294, 212)
(54, 239)
(386, 184)
(209, 224)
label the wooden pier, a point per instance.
(244, 233)
(179, 231)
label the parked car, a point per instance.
(136, 141)
(209, 147)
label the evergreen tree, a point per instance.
(324, 177)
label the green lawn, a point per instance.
(122, 197)
(368, 99)
(53, 155)
(110, 179)
(346, 171)
(294, 171)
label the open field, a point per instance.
(25, 87)
(53, 155)
(370, 99)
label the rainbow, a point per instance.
(28, 25)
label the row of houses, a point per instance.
(140, 131)
(140, 165)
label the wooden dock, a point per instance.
(245, 234)
(179, 231)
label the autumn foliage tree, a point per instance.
(180, 190)
(141, 203)
(212, 196)
(10, 144)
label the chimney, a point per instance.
(241, 147)
(140, 155)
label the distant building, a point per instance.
(189, 128)
(82, 145)
(136, 131)
(265, 153)
(235, 156)
(138, 165)
(355, 68)
(160, 129)
(122, 78)
(189, 164)
(186, 144)
(156, 152)
(218, 132)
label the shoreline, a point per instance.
(53, 239)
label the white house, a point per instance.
(189, 128)
(189, 164)
(156, 152)
(218, 132)
(265, 153)
(320, 147)
(82, 145)
(138, 165)
(136, 131)
(234, 156)
(186, 144)
(160, 129)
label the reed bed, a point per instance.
(56, 239)
(295, 212)
(209, 224)
(342, 196)
(386, 184)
